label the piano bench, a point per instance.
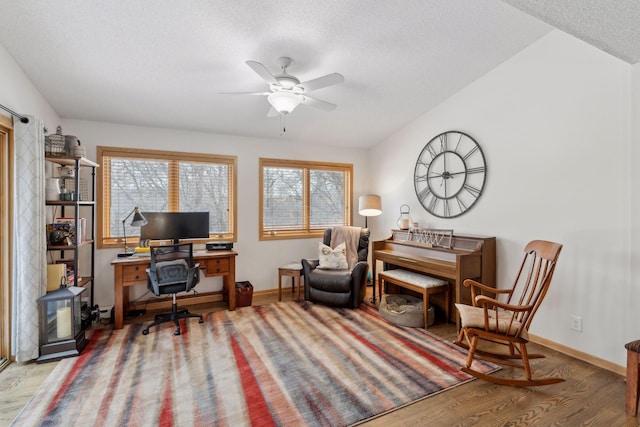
(420, 283)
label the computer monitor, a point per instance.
(175, 226)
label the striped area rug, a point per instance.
(284, 364)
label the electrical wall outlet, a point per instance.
(576, 323)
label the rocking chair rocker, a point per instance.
(507, 323)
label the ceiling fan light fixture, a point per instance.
(283, 102)
(287, 81)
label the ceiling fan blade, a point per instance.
(320, 82)
(262, 71)
(317, 103)
(244, 93)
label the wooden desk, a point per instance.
(132, 271)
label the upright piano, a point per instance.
(469, 257)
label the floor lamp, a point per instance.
(370, 205)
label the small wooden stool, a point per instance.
(293, 270)
(633, 374)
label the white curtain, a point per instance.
(29, 243)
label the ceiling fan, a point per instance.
(286, 91)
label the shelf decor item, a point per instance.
(69, 185)
(52, 189)
(56, 143)
(61, 332)
(404, 220)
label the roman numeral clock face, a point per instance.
(450, 174)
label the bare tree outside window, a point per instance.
(205, 187)
(283, 199)
(141, 183)
(162, 181)
(301, 199)
(327, 199)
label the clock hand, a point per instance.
(446, 175)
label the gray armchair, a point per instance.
(345, 288)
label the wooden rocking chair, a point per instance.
(507, 323)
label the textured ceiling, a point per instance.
(610, 25)
(164, 63)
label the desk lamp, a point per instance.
(138, 221)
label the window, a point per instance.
(164, 181)
(301, 199)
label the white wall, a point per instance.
(553, 122)
(257, 261)
(18, 93)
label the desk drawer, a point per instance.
(217, 266)
(134, 274)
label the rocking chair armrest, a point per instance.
(475, 286)
(484, 302)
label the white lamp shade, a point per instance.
(283, 102)
(370, 205)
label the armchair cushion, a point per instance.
(332, 259)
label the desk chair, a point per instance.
(171, 271)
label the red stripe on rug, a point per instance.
(166, 411)
(257, 407)
(443, 364)
(75, 371)
(436, 361)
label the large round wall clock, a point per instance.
(450, 174)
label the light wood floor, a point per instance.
(590, 396)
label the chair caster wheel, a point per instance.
(176, 332)
(201, 320)
(145, 332)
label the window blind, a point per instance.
(301, 199)
(163, 181)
